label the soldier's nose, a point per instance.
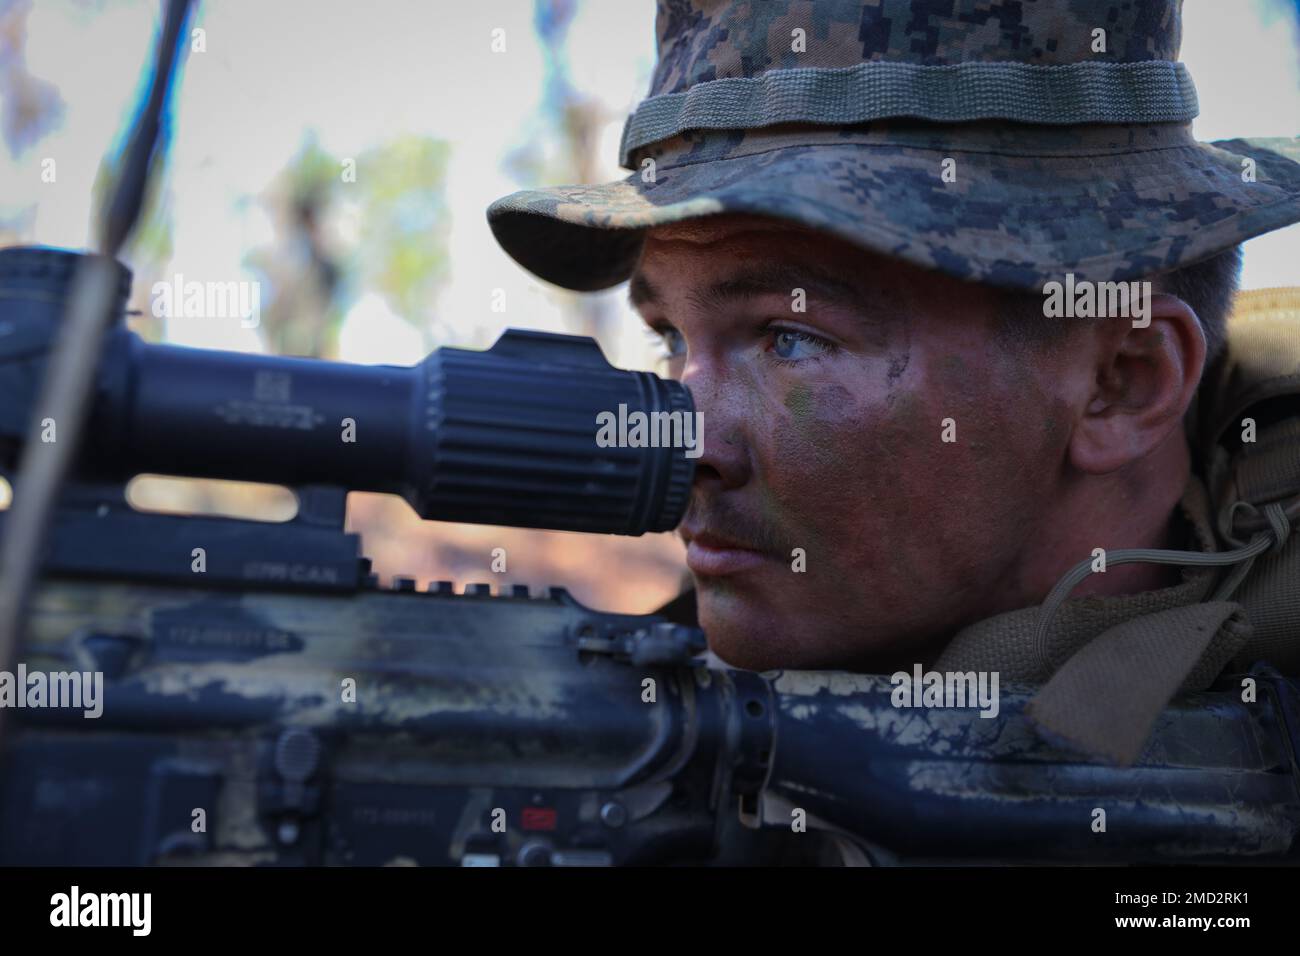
(723, 460)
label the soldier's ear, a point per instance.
(1145, 375)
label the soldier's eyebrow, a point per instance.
(640, 292)
(754, 280)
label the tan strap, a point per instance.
(1106, 698)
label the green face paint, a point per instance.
(800, 402)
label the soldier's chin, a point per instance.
(743, 630)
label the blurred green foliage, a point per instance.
(316, 266)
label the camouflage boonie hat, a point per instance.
(1068, 123)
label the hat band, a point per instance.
(1093, 141)
(1149, 91)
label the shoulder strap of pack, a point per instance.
(1247, 441)
(1249, 450)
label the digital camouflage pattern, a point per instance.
(1028, 202)
(703, 40)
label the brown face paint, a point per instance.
(953, 366)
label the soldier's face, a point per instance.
(875, 459)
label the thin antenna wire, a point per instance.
(70, 375)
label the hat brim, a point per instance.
(1007, 219)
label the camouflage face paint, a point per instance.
(799, 401)
(840, 453)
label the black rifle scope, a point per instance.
(506, 436)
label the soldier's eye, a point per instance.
(668, 341)
(794, 345)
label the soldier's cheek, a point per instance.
(817, 468)
(868, 483)
(811, 432)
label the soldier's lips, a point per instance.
(711, 555)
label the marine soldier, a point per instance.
(844, 218)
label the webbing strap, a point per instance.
(1243, 557)
(1107, 698)
(1149, 91)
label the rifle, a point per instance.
(280, 707)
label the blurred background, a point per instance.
(341, 156)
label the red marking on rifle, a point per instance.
(539, 818)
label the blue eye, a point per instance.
(793, 345)
(674, 344)
(668, 341)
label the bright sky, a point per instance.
(360, 75)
